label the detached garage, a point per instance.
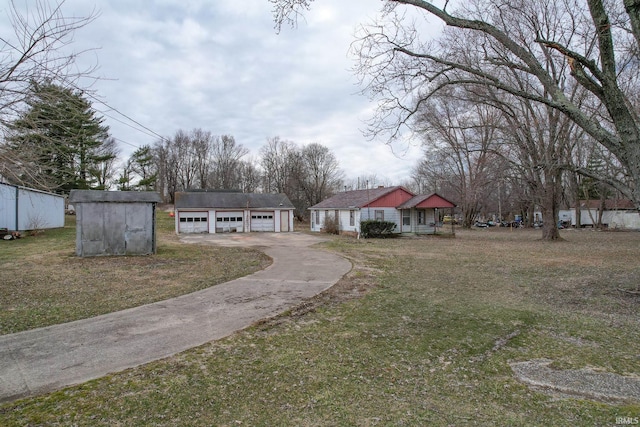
(232, 212)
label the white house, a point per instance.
(230, 212)
(23, 208)
(410, 213)
(616, 213)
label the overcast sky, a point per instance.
(221, 66)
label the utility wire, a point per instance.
(148, 131)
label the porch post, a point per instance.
(435, 221)
(453, 227)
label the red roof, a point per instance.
(427, 201)
(395, 197)
(361, 198)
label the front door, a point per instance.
(406, 220)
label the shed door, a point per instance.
(229, 222)
(193, 222)
(262, 221)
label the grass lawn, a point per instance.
(44, 283)
(420, 332)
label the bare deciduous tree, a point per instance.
(278, 159)
(321, 174)
(553, 46)
(36, 52)
(460, 151)
(226, 158)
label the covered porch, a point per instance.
(421, 215)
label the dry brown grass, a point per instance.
(422, 331)
(44, 283)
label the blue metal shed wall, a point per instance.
(38, 210)
(8, 206)
(22, 208)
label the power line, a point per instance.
(144, 129)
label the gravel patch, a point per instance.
(587, 383)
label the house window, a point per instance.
(337, 213)
(352, 218)
(317, 217)
(421, 218)
(406, 217)
(379, 215)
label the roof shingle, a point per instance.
(229, 200)
(354, 198)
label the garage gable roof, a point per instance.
(228, 200)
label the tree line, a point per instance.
(543, 93)
(199, 160)
(517, 104)
(58, 143)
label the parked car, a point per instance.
(447, 219)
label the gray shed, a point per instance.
(115, 222)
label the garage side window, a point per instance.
(379, 215)
(352, 218)
(317, 217)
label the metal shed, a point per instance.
(23, 208)
(115, 222)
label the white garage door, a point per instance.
(229, 222)
(262, 221)
(193, 222)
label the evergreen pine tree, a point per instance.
(59, 137)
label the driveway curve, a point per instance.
(46, 359)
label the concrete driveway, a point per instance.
(46, 359)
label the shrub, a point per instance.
(331, 226)
(374, 228)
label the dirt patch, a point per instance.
(586, 383)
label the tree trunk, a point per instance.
(550, 205)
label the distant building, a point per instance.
(616, 213)
(411, 213)
(23, 208)
(232, 212)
